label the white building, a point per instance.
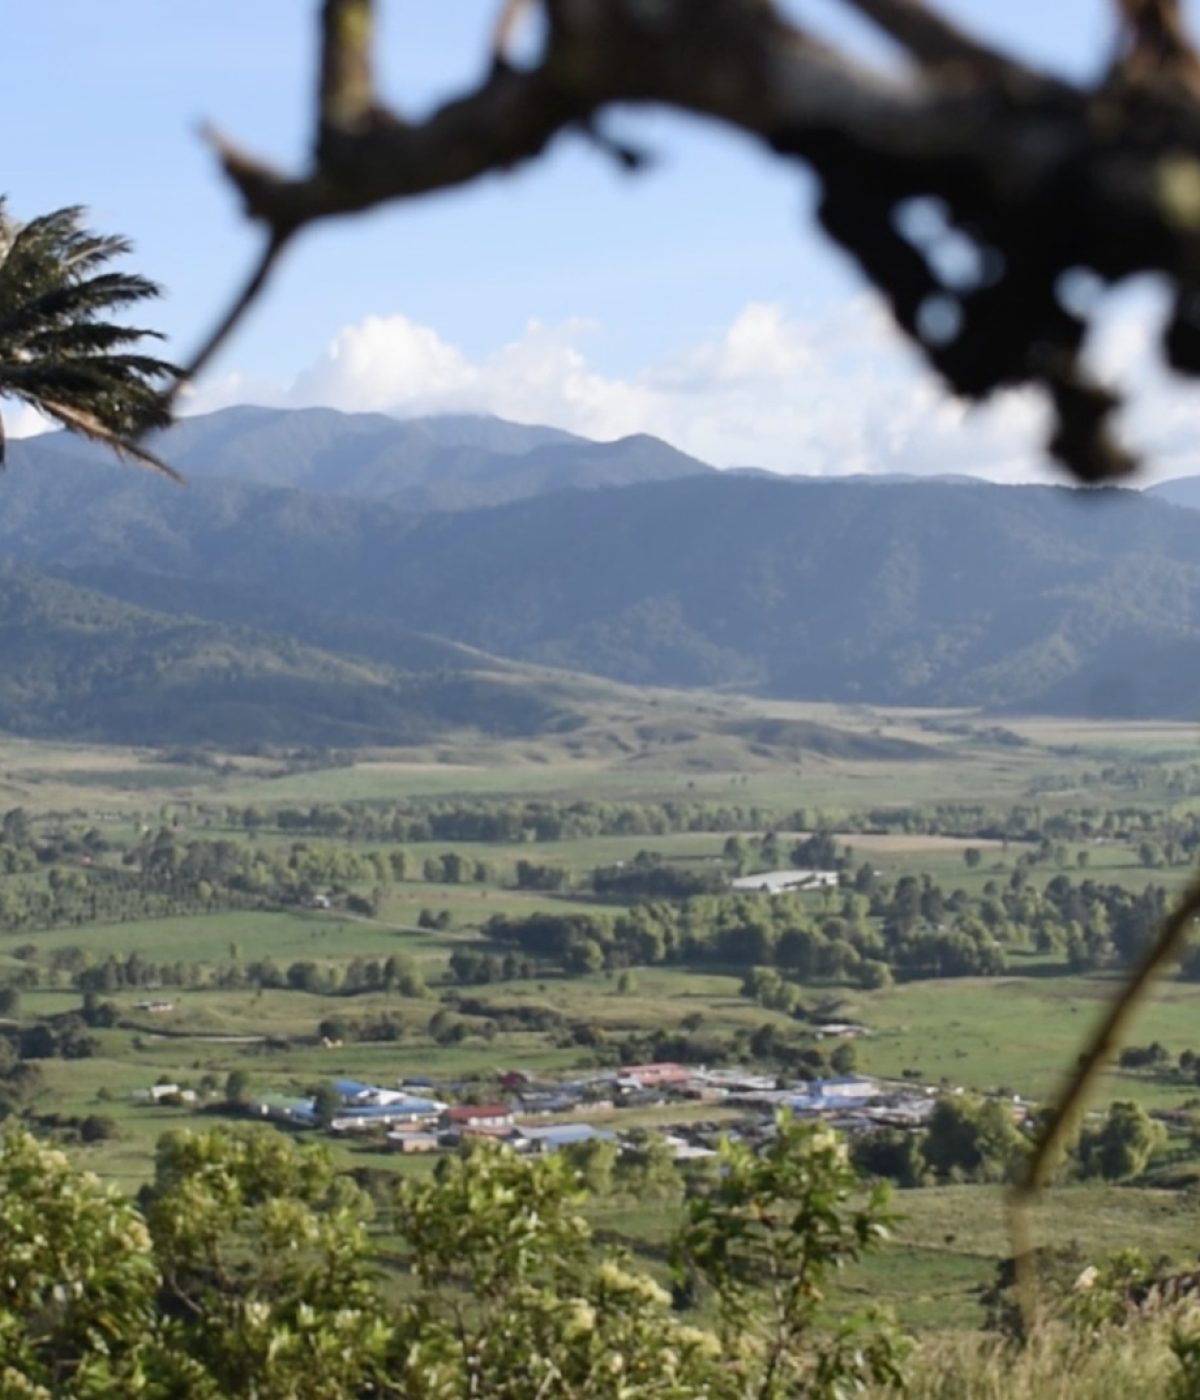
(787, 881)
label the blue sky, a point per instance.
(694, 301)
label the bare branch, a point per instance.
(239, 169)
(242, 303)
(510, 16)
(1040, 176)
(346, 94)
(930, 38)
(1154, 45)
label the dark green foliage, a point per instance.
(892, 1154)
(649, 876)
(1122, 1145)
(237, 1088)
(248, 1271)
(971, 1139)
(57, 352)
(327, 1104)
(82, 664)
(789, 1213)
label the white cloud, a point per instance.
(836, 394)
(381, 362)
(21, 421)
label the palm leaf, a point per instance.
(59, 352)
(81, 421)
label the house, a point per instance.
(762, 1100)
(849, 1086)
(684, 1151)
(364, 1107)
(411, 1143)
(658, 1076)
(734, 1080)
(399, 1112)
(515, 1079)
(487, 1119)
(546, 1105)
(634, 1097)
(165, 1093)
(839, 1030)
(564, 1135)
(283, 1108)
(355, 1094)
(823, 1095)
(774, 882)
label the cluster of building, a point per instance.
(418, 1117)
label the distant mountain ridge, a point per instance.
(450, 462)
(922, 592)
(1182, 491)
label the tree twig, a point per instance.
(232, 318)
(932, 39)
(346, 89)
(1042, 176)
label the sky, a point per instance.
(696, 301)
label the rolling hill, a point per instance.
(85, 666)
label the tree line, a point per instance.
(863, 933)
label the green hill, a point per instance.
(944, 592)
(80, 665)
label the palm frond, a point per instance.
(70, 300)
(90, 426)
(58, 352)
(83, 338)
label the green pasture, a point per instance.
(224, 938)
(1017, 1034)
(622, 754)
(948, 1241)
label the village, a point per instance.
(533, 1115)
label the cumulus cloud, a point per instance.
(836, 394)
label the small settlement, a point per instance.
(534, 1115)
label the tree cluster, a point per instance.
(247, 1269)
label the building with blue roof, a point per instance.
(847, 1092)
(565, 1135)
(351, 1089)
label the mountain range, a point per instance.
(452, 462)
(345, 578)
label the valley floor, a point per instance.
(95, 813)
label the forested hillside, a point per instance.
(80, 665)
(901, 591)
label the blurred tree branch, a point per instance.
(1041, 177)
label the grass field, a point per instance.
(619, 754)
(1016, 1034)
